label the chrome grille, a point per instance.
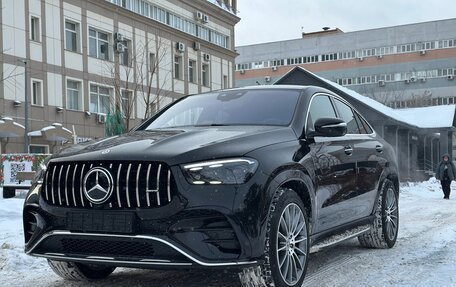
(136, 184)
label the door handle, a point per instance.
(348, 150)
(379, 148)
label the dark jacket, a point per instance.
(451, 169)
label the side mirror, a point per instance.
(329, 127)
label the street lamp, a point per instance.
(26, 116)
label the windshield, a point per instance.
(239, 107)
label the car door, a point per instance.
(335, 168)
(367, 154)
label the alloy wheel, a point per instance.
(292, 244)
(391, 214)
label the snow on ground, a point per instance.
(424, 255)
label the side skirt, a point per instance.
(336, 236)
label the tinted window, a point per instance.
(366, 126)
(346, 114)
(321, 107)
(241, 107)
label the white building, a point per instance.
(86, 57)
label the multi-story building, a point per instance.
(78, 60)
(402, 66)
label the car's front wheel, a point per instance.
(384, 229)
(287, 244)
(79, 271)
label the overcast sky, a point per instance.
(274, 20)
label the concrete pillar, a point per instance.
(444, 142)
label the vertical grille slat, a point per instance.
(45, 185)
(73, 183)
(52, 185)
(168, 187)
(158, 184)
(66, 185)
(147, 185)
(136, 184)
(119, 202)
(127, 190)
(81, 184)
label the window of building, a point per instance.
(74, 95)
(37, 92)
(40, 149)
(100, 99)
(205, 75)
(192, 71)
(126, 100)
(35, 28)
(152, 62)
(72, 36)
(178, 67)
(98, 44)
(125, 54)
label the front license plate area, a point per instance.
(112, 222)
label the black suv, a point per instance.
(252, 178)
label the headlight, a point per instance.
(228, 171)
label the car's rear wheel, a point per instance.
(383, 232)
(79, 271)
(287, 245)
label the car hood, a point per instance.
(179, 146)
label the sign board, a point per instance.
(11, 164)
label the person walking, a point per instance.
(446, 172)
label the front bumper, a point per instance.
(201, 227)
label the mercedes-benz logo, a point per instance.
(98, 185)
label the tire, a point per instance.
(80, 272)
(287, 245)
(383, 232)
(9, 192)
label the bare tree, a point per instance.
(136, 78)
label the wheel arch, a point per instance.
(300, 182)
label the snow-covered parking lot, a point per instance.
(425, 253)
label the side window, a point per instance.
(366, 126)
(346, 114)
(362, 129)
(320, 107)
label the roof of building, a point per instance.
(433, 117)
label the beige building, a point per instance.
(78, 60)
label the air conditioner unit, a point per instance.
(450, 77)
(413, 79)
(119, 37)
(422, 52)
(196, 46)
(242, 71)
(381, 83)
(180, 47)
(205, 19)
(360, 59)
(267, 78)
(423, 80)
(120, 48)
(274, 68)
(198, 16)
(101, 118)
(206, 57)
(379, 56)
